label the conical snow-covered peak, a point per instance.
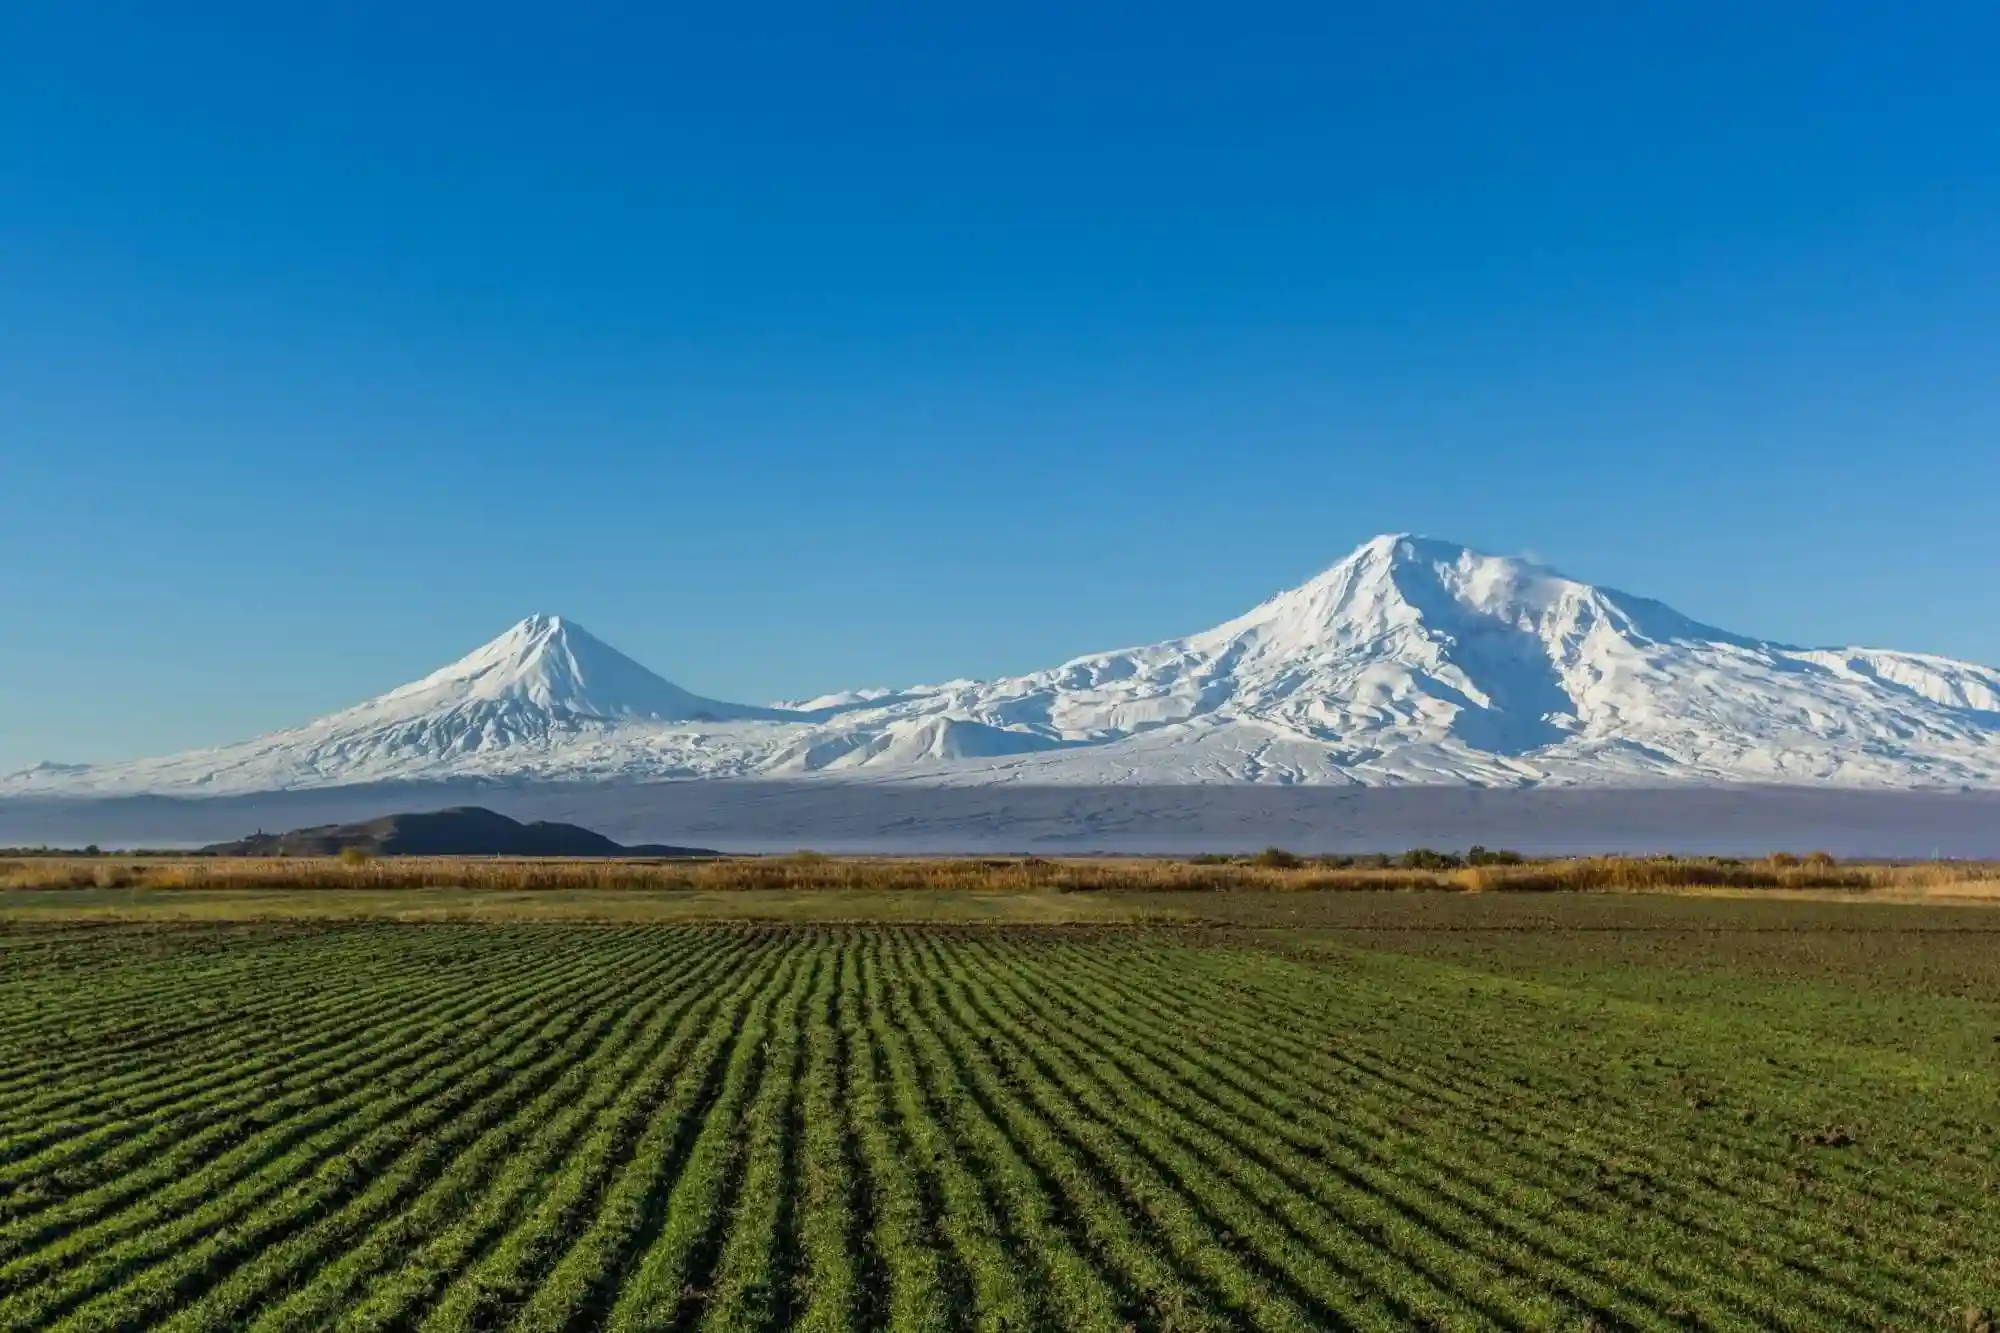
(555, 666)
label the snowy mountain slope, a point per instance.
(1415, 661)
(539, 692)
(1409, 661)
(546, 667)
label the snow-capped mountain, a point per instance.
(514, 704)
(1409, 661)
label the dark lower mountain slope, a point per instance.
(466, 830)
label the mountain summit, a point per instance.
(550, 668)
(545, 697)
(1409, 661)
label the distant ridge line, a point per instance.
(1409, 662)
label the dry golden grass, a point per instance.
(806, 873)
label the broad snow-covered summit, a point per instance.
(1408, 661)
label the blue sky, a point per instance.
(790, 349)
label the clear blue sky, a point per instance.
(791, 349)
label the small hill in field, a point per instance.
(464, 831)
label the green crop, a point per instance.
(564, 1126)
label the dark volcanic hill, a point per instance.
(466, 830)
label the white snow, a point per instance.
(1409, 661)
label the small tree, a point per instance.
(1477, 855)
(1277, 858)
(354, 856)
(1425, 858)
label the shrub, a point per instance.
(1424, 858)
(1820, 861)
(1277, 858)
(354, 856)
(1782, 861)
(1480, 856)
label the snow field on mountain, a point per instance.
(1409, 661)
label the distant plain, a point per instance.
(913, 818)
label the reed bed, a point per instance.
(805, 873)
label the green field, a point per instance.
(1386, 1111)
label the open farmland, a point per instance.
(1403, 1111)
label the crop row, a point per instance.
(556, 1127)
